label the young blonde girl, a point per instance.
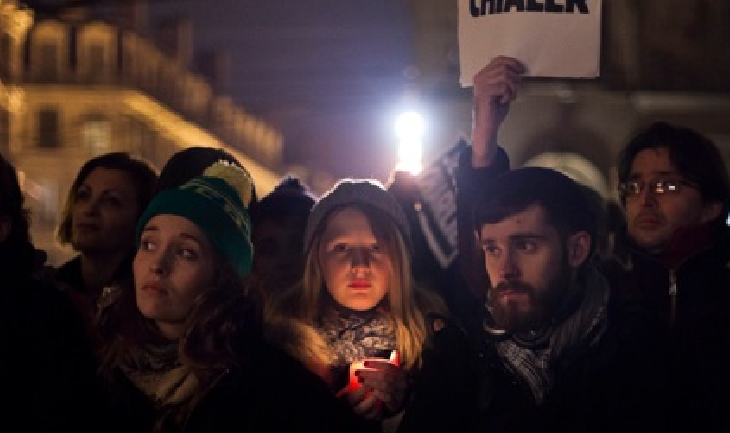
(357, 299)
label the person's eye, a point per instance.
(491, 250)
(376, 248)
(669, 185)
(146, 245)
(82, 194)
(187, 253)
(634, 188)
(112, 200)
(339, 247)
(631, 188)
(525, 245)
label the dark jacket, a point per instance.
(270, 392)
(684, 303)
(69, 279)
(47, 368)
(465, 385)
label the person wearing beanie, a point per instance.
(357, 301)
(184, 350)
(278, 221)
(190, 162)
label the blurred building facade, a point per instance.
(660, 60)
(73, 86)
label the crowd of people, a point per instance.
(194, 305)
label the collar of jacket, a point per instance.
(715, 255)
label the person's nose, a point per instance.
(360, 261)
(508, 266)
(89, 206)
(160, 262)
(647, 196)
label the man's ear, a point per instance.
(5, 227)
(710, 211)
(579, 247)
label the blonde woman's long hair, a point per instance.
(408, 304)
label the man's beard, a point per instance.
(543, 304)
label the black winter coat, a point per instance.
(464, 386)
(685, 318)
(47, 369)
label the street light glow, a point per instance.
(409, 128)
(409, 125)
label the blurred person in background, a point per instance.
(98, 220)
(279, 220)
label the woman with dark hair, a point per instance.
(98, 220)
(183, 349)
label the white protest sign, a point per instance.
(553, 38)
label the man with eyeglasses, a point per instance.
(674, 189)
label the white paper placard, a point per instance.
(550, 43)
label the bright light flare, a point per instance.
(409, 128)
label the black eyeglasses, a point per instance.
(632, 188)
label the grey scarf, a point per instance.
(582, 328)
(354, 335)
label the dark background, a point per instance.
(328, 74)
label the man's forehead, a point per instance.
(530, 222)
(651, 162)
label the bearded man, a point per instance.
(545, 353)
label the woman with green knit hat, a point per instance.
(183, 346)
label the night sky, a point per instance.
(328, 74)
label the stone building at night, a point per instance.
(73, 86)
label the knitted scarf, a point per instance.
(582, 328)
(157, 372)
(354, 335)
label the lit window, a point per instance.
(96, 136)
